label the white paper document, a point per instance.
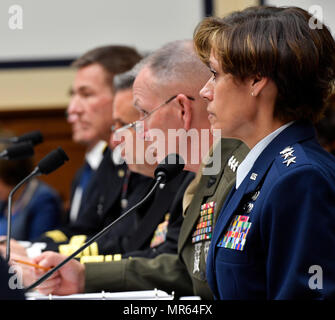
(126, 295)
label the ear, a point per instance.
(258, 83)
(185, 110)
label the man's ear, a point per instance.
(185, 110)
(258, 83)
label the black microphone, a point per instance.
(166, 170)
(52, 161)
(49, 163)
(35, 137)
(18, 151)
(169, 167)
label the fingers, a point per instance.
(39, 273)
(49, 259)
(15, 247)
(50, 285)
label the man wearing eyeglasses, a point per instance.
(90, 116)
(166, 92)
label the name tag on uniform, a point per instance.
(236, 235)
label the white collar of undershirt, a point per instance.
(246, 165)
(95, 155)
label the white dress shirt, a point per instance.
(93, 158)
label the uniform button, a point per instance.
(248, 207)
(211, 181)
(255, 196)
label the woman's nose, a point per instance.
(207, 91)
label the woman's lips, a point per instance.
(211, 115)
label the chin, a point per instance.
(81, 139)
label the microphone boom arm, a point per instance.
(9, 211)
(93, 239)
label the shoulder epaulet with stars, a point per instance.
(233, 163)
(291, 157)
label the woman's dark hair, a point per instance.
(281, 44)
(325, 128)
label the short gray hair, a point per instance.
(124, 81)
(175, 61)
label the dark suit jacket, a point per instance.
(136, 241)
(104, 189)
(132, 235)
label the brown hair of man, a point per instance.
(114, 59)
(277, 43)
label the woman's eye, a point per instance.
(214, 74)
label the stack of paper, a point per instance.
(126, 295)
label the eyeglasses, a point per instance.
(139, 124)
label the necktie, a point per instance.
(85, 176)
(79, 197)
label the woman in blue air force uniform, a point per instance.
(272, 73)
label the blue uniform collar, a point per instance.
(297, 132)
(246, 165)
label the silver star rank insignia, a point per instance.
(287, 149)
(288, 154)
(289, 161)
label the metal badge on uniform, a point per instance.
(196, 262)
(288, 155)
(121, 173)
(160, 233)
(204, 226)
(255, 195)
(253, 176)
(248, 207)
(124, 203)
(236, 235)
(233, 163)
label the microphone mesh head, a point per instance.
(35, 137)
(20, 151)
(170, 167)
(52, 161)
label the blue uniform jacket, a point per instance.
(39, 213)
(284, 213)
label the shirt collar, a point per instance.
(95, 155)
(254, 153)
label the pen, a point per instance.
(31, 264)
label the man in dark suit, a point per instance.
(135, 234)
(90, 114)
